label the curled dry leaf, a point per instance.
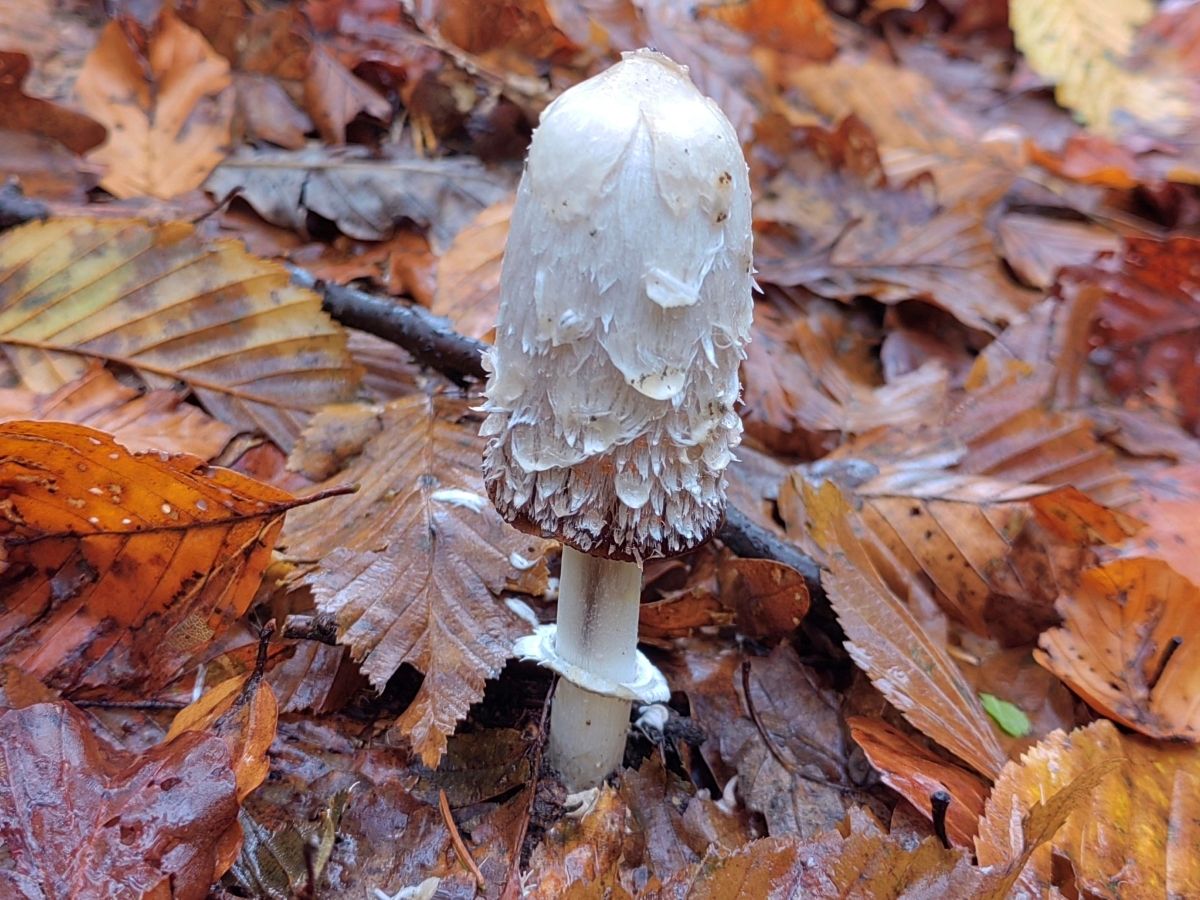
(81, 818)
(259, 353)
(1130, 646)
(917, 774)
(1132, 835)
(167, 108)
(364, 195)
(334, 96)
(908, 667)
(155, 420)
(1037, 247)
(411, 566)
(122, 567)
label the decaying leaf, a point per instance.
(1130, 646)
(122, 567)
(32, 115)
(334, 96)
(259, 353)
(578, 851)
(1037, 247)
(81, 818)
(917, 774)
(167, 107)
(1132, 835)
(365, 196)
(413, 564)
(155, 420)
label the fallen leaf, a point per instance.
(122, 567)
(167, 108)
(1010, 717)
(265, 111)
(656, 798)
(279, 864)
(1133, 834)
(82, 818)
(468, 273)
(1037, 247)
(800, 29)
(577, 851)
(1147, 330)
(904, 663)
(73, 130)
(334, 96)
(155, 420)
(791, 756)
(1084, 51)
(770, 599)
(1126, 646)
(259, 353)
(421, 525)
(45, 168)
(365, 196)
(917, 774)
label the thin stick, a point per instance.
(460, 848)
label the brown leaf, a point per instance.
(85, 819)
(978, 548)
(791, 755)
(121, 567)
(363, 194)
(770, 599)
(1037, 247)
(904, 662)
(412, 564)
(45, 168)
(656, 799)
(916, 774)
(1134, 832)
(799, 28)
(468, 273)
(156, 420)
(259, 353)
(334, 96)
(242, 711)
(75, 131)
(578, 851)
(167, 108)
(1168, 505)
(1130, 646)
(1148, 328)
(266, 112)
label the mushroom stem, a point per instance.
(598, 603)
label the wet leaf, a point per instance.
(917, 774)
(258, 353)
(155, 420)
(84, 818)
(167, 107)
(122, 567)
(413, 566)
(1129, 646)
(364, 196)
(907, 666)
(468, 273)
(1132, 833)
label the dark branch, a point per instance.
(430, 339)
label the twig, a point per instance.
(322, 629)
(460, 848)
(430, 339)
(939, 803)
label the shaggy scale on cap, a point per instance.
(625, 307)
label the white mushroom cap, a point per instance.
(625, 307)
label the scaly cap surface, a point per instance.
(625, 308)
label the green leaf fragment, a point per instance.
(1011, 719)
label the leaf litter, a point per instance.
(970, 403)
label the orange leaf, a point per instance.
(411, 566)
(121, 567)
(156, 420)
(1134, 833)
(1130, 646)
(916, 774)
(167, 111)
(908, 667)
(84, 819)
